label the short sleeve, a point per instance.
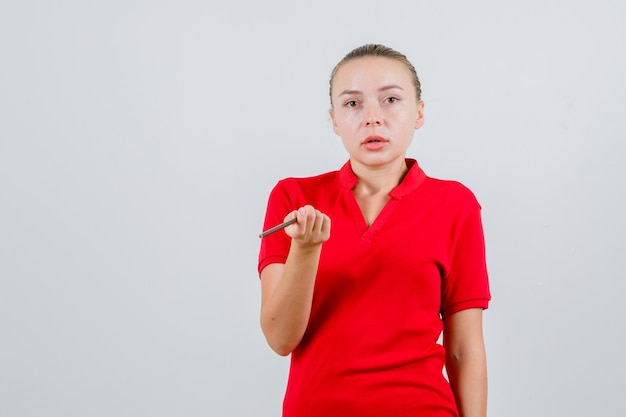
(467, 283)
(275, 247)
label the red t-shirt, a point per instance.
(370, 348)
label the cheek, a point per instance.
(352, 119)
(408, 119)
(345, 122)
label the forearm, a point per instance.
(467, 372)
(285, 314)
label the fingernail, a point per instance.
(302, 211)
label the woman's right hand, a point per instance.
(312, 226)
(287, 289)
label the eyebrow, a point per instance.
(384, 88)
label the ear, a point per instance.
(332, 117)
(419, 120)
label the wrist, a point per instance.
(304, 248)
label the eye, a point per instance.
(391, 100)
(351, 103)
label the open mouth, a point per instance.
(374, 143)
(374, 139)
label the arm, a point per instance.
(466, 361)
(287, 290)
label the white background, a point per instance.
(139, 141)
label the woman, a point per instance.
(360, 305)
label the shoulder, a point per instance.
(323, 178)
(312, 183)
(451, 192)
(452, 188)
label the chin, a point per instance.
(376, 160)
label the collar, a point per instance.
(414, 177)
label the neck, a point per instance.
(383, 179)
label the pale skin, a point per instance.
(375, 111)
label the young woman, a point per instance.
(381, 260)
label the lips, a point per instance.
(374, 138)
(373, 143)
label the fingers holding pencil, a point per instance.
(305, 225)
(312, 226)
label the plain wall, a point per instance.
(139, 141)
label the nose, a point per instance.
(372, 116)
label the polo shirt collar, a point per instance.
(414, 177)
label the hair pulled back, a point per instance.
(376, 50)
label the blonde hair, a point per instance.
(376, 50)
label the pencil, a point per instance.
(277, 228)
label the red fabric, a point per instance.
(371, 348)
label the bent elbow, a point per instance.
(280, 347)
(281, 342)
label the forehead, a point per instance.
(373, 70)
